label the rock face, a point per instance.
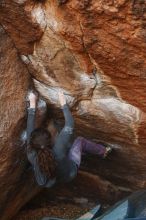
(15, 188)
(94, 51)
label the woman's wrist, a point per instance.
(32, 100)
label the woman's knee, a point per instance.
(72, 175)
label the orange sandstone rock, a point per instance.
(94, 51)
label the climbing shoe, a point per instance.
(107, 151)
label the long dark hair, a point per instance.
(40, 141)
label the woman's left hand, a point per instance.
(62, 98)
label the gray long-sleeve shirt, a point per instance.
(66, 169)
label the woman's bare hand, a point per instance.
(62, 98)
(32, 97)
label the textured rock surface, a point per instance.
(14, 81)
(109, 105)
(95, 51)
(69, 201)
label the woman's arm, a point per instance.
(31, 115)
(30, 122)
(69, 121)
(64, 137)
(31, 154)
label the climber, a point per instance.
(58, 161)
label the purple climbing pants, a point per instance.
(82, 145)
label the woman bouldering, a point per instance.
(58, 161)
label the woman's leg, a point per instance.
(92, 147)
(82, 145)
(75, 152)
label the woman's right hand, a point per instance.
(62, 98)
(32, 97)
